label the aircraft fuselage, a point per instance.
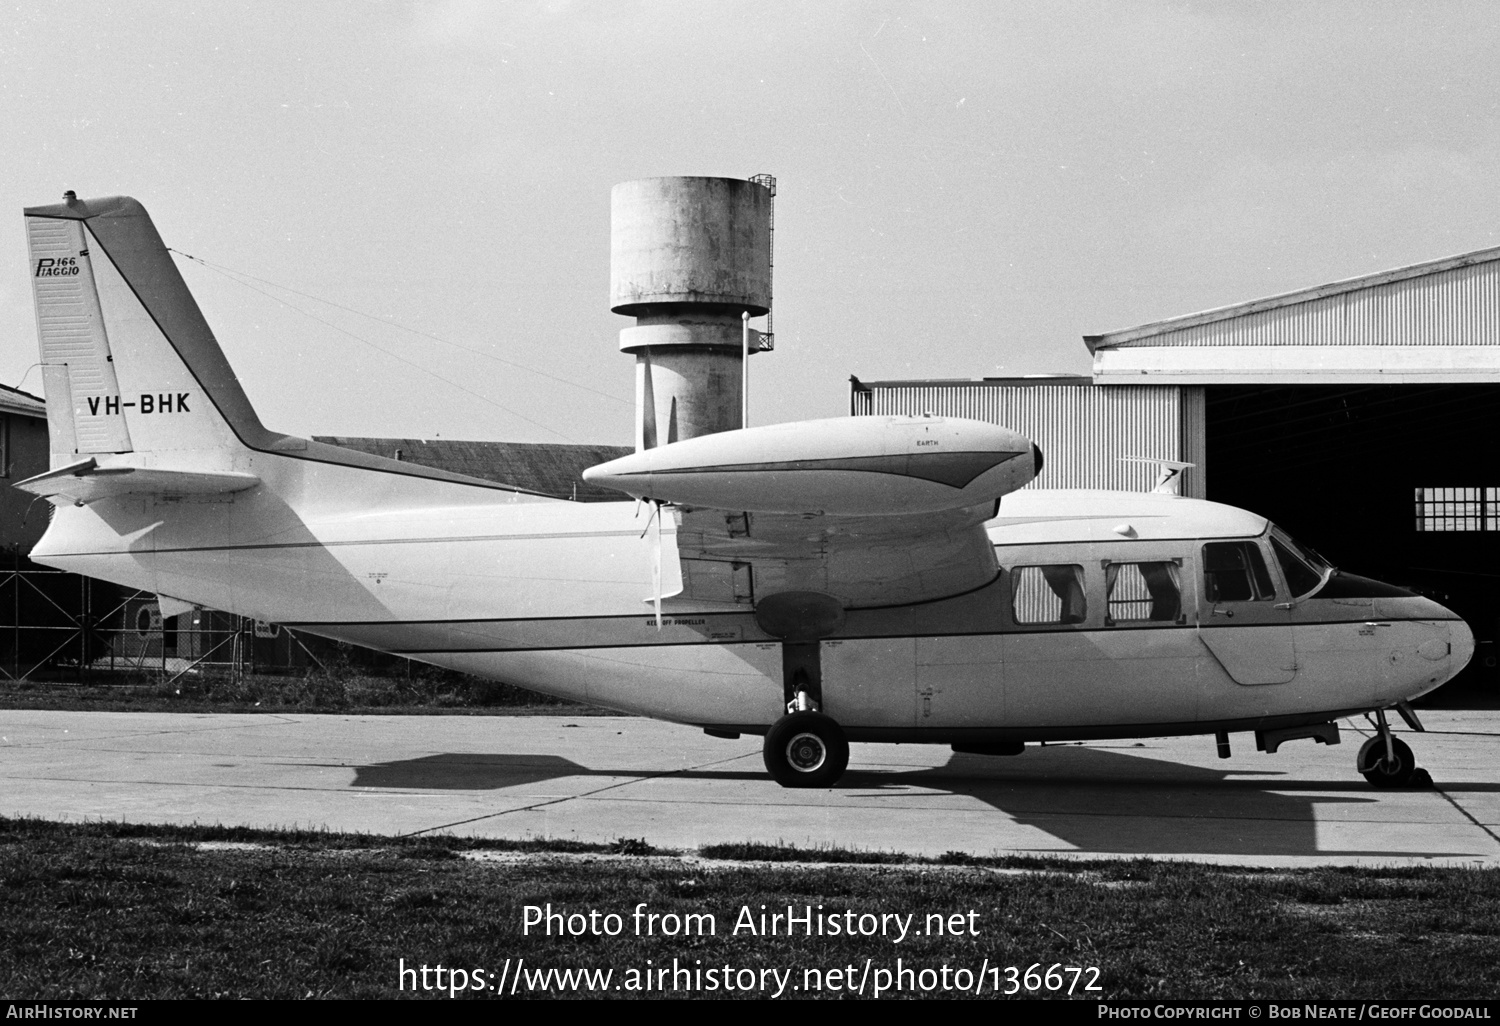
(555, 596)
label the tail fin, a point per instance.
(139, 396)
(128, 362)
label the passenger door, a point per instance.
(1237, 615)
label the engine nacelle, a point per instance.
(848, 466)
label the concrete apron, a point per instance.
(604, 778)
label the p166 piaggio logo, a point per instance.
(57, 267)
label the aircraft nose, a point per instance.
(1461, 643)
(1431, 643)
(1452, 653)
(1459, 646)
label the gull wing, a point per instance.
(873, 511)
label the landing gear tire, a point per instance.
(1383, 771)
(806, 749)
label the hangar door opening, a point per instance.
(1396, 482)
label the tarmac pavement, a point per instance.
(604, 778)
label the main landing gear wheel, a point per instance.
(1383, 770)
(806, 749)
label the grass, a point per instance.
(114, 911)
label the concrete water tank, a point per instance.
(688, 257)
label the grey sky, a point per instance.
(964, 189)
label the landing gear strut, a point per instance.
(1386, 761)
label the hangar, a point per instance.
(23, 452)
(1361, 415)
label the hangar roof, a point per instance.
(13, 400)
(1432, 322)
(549, 469)
(857, 385)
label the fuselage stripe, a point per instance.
(759, 639)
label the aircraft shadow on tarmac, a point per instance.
(1092, 799)
(1099, 800)
(471, 772)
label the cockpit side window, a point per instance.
(1144, 592)
(1236, 572)
(1300, 577)
(1048, 594)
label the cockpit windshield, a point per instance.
(1303, 568)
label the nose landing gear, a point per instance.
(1387, 761)
(1386, 769)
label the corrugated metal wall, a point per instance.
(1194, 439)
(1456, 307)
(1083, 430)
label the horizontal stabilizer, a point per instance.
(85, 482)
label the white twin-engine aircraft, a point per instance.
(818, 583)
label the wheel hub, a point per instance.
(806, 752)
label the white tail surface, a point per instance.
(107, 296)
(136, 381)
(164, 407)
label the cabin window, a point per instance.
(1236, 572)
(1048, 594)
(1144, 592)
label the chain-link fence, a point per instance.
(58, 626)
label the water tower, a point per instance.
(688, 258)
